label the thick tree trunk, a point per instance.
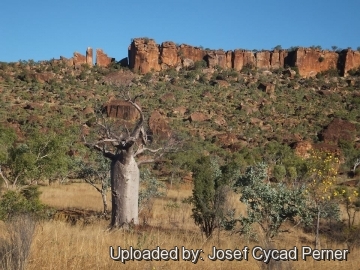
(124, 190)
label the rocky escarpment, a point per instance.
(146, 56)
(78, 59)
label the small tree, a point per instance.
(39, 156)
(211, 186)
(320, 187)
(269, 205)
(150, 188)
(97, 172)
(352, 207)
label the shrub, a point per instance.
(211, 185)
(200, 64)
(26, 202)
(279, 172)
(269, 205)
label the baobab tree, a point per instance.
(124, 169)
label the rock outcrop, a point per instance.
(277, 59)
(302, 149)
(159, 126)
(190, 52)
(263, 59)
(312, 61)
(216, 58)
(169, 55)
(349, 60)
(120, 109)
(243, 58)
(144, 55)
(338, 130)
(102, 60)
(89, 56)
(79, 59)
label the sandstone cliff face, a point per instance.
(89, 56)
(229, 59)
(190, 52)
(312, 61)
(263, 59)
(144, 55)
(216, 58)
(68, 61)
(102, 60)
(169, 55)
(243, 58)
(277, 58)
(79, 59)
(350, 60)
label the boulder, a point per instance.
(121, 109)
(198, 117)
(159, 126)
(338, 130)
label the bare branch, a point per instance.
(91, 183)
(146, 161)
(143, 149)
(139, 126)
(95, 146)
(356, 164)
(5, 179)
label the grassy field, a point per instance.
(60, 245)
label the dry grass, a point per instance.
(59, 245)
(76, 195)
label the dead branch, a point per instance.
(5, 179)
(143, 149)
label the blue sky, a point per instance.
(42, 30)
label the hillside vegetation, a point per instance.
(301, 128)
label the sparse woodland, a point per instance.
(267, 158)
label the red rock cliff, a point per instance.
(169, 55)
(216, 58)
(350, 60)
(190, 52)
(144, 55)
(312, 61)
(243, 58)
(79, 59)
(89, 56)
(102, 59)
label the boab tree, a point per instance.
(124, 169)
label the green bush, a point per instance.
(279, 172)
(26, 201)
